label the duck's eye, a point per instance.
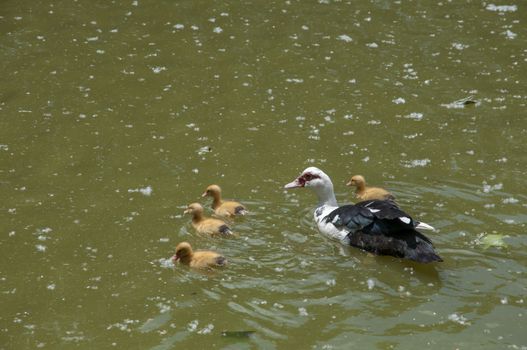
(308, 177)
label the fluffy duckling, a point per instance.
(208, 226)
(223, 208)
(365, 193)
(197, 259)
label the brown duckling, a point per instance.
(223, 208)
(365, 193)
(209, 226)
(197, 259)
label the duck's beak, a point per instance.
(204, 194)
(186, 211)
(294, 184)
(175, 258)
(349, 183)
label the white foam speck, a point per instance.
(502, 8)
(158, 70)
(372, 45)
(123, 326)
(331, 282)
(193, 325)
(302, 311)
(41, 248)
(510, 200)
(510, 35)
(399, 101)
(146, 191)
(345, 38)
(458, 319)
(51, 286)
(208, 329)
(414, 116)
(295, 80)
(416, 163)
(371, 283)
(459, 46)
(166, 263)
(179, 26)
(489, 188)
(217, 30)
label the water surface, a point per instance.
(102, 100)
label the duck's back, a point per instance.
(230, 208)
(212, 226)
(204, 259)
(382, 228)
(371, 193)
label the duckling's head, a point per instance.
(194, 209)
(183, 251)
(212, 191)
(357, 180)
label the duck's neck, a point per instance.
(185, 259)
(216, 201)
(197, 217)
(325, 195)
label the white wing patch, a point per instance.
(335, 219)
(374, 210)
(328, 228)
(405, 219)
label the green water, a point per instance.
(101, 99)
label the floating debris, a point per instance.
(237, 334)
(462, 103)
(493, 240)
(204, 149)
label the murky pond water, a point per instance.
(102, 100)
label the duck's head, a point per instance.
(211, 191)
(194, 209)
(319, 182)
(183, 250)
(356, 180)
(311, 177)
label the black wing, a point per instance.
(376, 226)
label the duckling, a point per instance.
(198, 259)
(209, 226)
(223, 208)
(365, 193)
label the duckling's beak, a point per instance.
(175, 258)
(294, 184)
(186, 211)
(349, 183)
(204, 194)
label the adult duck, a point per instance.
(365, 193)
(221, 207)
(377, 226)
(204, 225)
(197, 259)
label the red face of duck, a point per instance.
(175, 259)
(303, 180)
